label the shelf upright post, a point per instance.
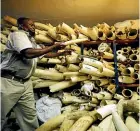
(115, 64)
(82, 49)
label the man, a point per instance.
(18, 64)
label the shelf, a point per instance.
(128, 85)
(125, 42)
(95, 42)
(130, 62)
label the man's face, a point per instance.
(30, 27)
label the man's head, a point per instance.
(27, 25)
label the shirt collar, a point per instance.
(27, 33)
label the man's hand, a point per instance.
(60, 45)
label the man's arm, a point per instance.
(32, 53)
(51, 54)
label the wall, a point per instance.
(86, 12)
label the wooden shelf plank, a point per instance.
(128, 85)
(124, 42)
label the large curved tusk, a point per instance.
(83, 123)
(107, 124)
(61, 85)
(75, 41)
(45, 83)
(119, 124)
(66, 125)
(48, 74)
(131, 124)
(105, 111)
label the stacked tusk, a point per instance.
(84, 83)
(61, 85)
(132, 34)
(93, 63)
(134, 57)
(78, 78)
(107, 55)
(110, 35)
(105, 111)
(126, 79)
(90, 70)
(127, 93)
(137, 67)
(101, 82)
(60, 68)
(119, 124)
(128, 71)
(11, 20)
(136, 76)
(72, 67)
(93, 33)
(45, 74)
(41, 38)
(101, 35)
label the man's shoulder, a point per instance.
(19, 32)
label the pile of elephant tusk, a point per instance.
(87, 84)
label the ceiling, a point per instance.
(85, 12)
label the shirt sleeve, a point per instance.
(20, 41)
(39, 47)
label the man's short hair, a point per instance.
(21, 20)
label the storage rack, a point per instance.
(114, 43)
